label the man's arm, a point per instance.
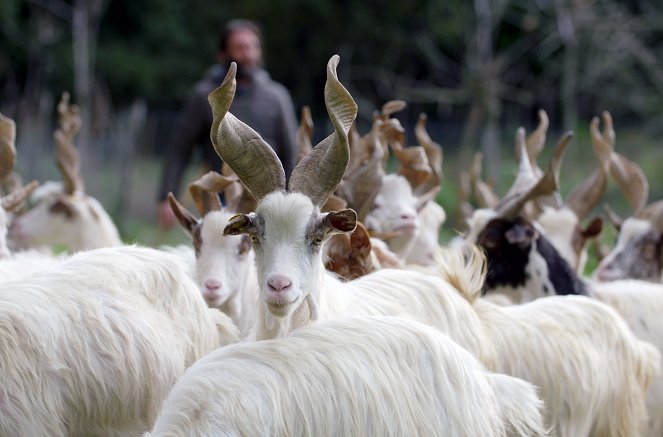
(190, 125)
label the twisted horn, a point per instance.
(305, 133)
(512, 204)
(628, 175)
(433, 149)
(67, 157)
(320, 172)
(537, 140)
(250, 157)
(14, 200)
(587, 194)
(484, 193)
(392, 107)
(7, 146)
(205, 189)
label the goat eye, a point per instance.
(253, 238)
(317, 241)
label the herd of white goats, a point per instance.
(249, 333)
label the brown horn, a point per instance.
(654, 214)
(433, 150)
(392, 107)
(7, 146)
(67, 157)
(305, 133)
(614, 218)
(484, 193)
(628, 175)
(320, 172)
(250, 157)
(537, 139)
(554, 199)
(512, 204)
(15, 199)
(238, 197)
(204, 191)
(587, 194)
(525, 177)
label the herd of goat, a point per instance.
(323, 305)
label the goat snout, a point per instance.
(408, 216)
(212, 284)
(279, 284)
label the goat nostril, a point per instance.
(407, 216)
(212, 284)
(279, 283)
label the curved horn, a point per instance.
(433, 150)
(551, 176)
(654, 214)
(537, 140)
(392, 107)
(512, 204)
(614, 218)
(67, 157)
(319, 173)
(525, 177)
(7, 146)
(587, 194)
(16, 198)
(250, 157)
(205, 189)
(484, 193)
(628, 175)
(305, 133)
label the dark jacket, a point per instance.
(263, 104)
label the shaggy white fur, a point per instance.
(348, 377)
(282, 250)
(641, 305)
(93, 344)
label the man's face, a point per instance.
(243, 47)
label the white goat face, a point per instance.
(222, 262)
(636, 255)
(76, 221)
(432, 216)
(287, 232)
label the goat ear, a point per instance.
(341, 221)
(186, 219)
(593, 229)
(239, 224)
(360, 241)
(63, 206)
(521, 233)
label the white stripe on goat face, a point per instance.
(222, 262)
(288, 255)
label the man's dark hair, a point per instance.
(236, 25)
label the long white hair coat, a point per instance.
(348, 377)
(93, 344)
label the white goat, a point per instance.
(93, 344)
(348, 377)
(288, 230)
(225, 264)
(64, 214)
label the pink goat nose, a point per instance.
(279, 283)
(212, 284)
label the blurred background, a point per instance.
(478, 68)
